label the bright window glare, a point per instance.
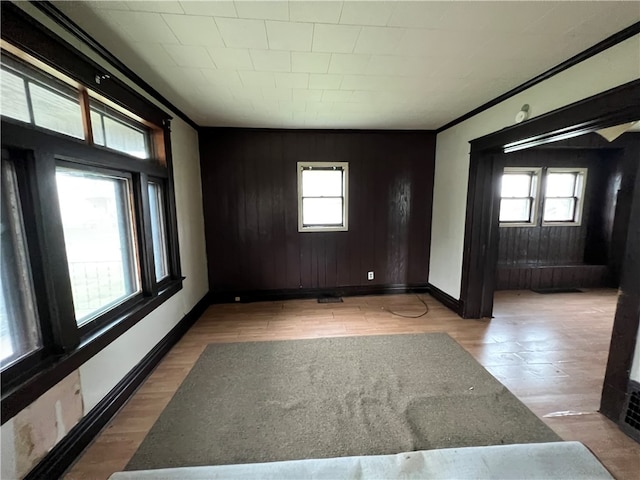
(559, 209)
(516, 185)
(56, 112)
(98, 239)
(123, 138)
(13, 102)
(322, 183)
(514, 210)
(322, 211)
(158, 231)
(561, 184)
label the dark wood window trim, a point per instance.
(616, 106)
(39, 151)
(30, 36)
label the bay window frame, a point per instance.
(38, 152)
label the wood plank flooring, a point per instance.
(549, 350)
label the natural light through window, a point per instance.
(99, 240)
(322, 196)
(518, 196)
(19, 329)
(563, 196)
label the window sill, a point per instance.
(323, 229)
(51, 371)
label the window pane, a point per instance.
(561, 184)
(56, 112)
(516, 185)
(14, 97)
(322, 211)
(96, 126)
(559, 210)
(124, 138)
(515, 210)
(322, 183)
(158, 232)
(96, 219)
(19, 330)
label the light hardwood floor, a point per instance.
(549, 350)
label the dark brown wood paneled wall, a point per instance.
(250, 206)
(553, 256)
(552, 245)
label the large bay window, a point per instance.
(88, 231)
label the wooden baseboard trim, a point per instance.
(62, 456)
(445, 299)
(296, 294)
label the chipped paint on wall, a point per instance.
(40, 426)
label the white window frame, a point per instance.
(344, 227)
(581, 183)
(536, 175)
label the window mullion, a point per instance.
(27, 90)
(145, 240)
(55, 265)
(85, 110)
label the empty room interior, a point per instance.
(320, 239)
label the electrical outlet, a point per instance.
(369, 275)
(237, 299)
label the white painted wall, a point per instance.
(32, 430)
(618, 65)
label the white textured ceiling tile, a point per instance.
(194, 30)
(271, 60)
(189, 56)
(257, 79)
(366, 13)
(335, 38)
(450, 56)
(368, 82)
(140, 26)
(307, 95)
(319, 107)
(363, 96)
(263, 9)
(379, 40)
(209, 8)
(292, 80)
(276, 93)
(336, 96)
(325, 82)
(111, 5)
(348, 63)
(292, 105)
(229, 78)
(417, 14)
(154, 6)
(396, 65)
(316, 12)
(421, 42)
(231, 58)
(153, 53)
(289, 36)
(242, 33)
(310, 62)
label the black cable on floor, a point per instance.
(426, 307)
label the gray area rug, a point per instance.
(334, 397)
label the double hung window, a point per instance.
(323, 196)
(88, 238)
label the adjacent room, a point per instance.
(320, 239)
